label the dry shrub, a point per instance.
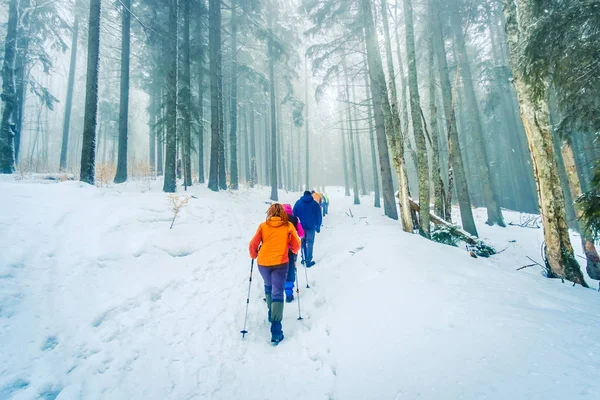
(64, 178)
(140, 169)
(177, 202)
(105, 173)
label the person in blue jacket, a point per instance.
(309, 213)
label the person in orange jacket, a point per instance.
(276, 235)
(316, 196)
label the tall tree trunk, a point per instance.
(489, 192)
(382, 110)
(233, 178)
(21, 69)
(7, 143)
(160, 137)
(253, 171)
(153, 115)
(370, 105)
(361, 171)
(271, 50)
(438, 184)
(393, 126)
(344, 155)
(69, 101)
(170, 182)
(247, 173)
(351, 132)
(587, 239)
(266, 150)
(560, 258)
(405, 127)
(214, 25)
(88, 148)
(121, 175)
(415, 107)
(222, 105)
(186, 99)
(455, 159)
(201, 59)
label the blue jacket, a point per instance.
(309, 212)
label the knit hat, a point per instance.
(307, 193)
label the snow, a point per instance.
(99, 299)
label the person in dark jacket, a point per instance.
(311, 219)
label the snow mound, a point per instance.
(99, 299)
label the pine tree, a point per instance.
(88, 149)
(7, 147)
(170, 180)
(124, 100)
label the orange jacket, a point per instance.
(317, 197)
(276, 237)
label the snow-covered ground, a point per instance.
(99, 299)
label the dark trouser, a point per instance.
(274, 278)
(325, 209)
(308, 243)
(291, 275)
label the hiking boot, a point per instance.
(310, 264)
(289, 299)
(276, 338)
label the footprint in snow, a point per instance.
(50, 343)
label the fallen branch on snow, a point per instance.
(478, 246)
(526, 266)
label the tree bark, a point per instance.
(392, 118)
(233, 121)
(415, 107)
(7, 144)
(438, 184)
(560, 258)
(21, 69)
(351, 133)
(69, 101)
(215, 97)
(186, 101)
(455, 161)
(88, 148)
(160, 137)
(201, 57)
(253, 171)
(587, 239)
(370, 105)
(121, 175)
(170, 181)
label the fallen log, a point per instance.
(475, 246)
(464, 235)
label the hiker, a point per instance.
(276, 235)
(291, 276)
(309, 212)
(325, 204)
(316, 196)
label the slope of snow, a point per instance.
(100, 300)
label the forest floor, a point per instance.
(99, 299)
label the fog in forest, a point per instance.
(483, 103)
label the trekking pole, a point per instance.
(244, 331)
(305, 270)
(298, 295)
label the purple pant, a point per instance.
(274, 278)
